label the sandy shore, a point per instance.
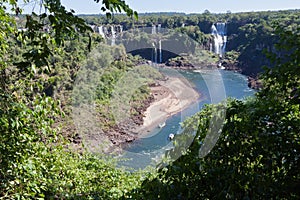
(170, 97)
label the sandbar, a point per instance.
(170, 97)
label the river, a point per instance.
(144, 151)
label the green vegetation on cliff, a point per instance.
(248, 34)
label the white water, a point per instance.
(113, 36)
(160, 52)
(218, 31)
(153, 29)
(101, 32)
(157, 51)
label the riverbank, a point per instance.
(167, 98)
(170, 97)
(230, 65)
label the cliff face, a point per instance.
(251, 61)
(252, 41)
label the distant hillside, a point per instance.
(248, 34)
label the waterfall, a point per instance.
(159, 28)
(93, 27)
(113, 36)
(157, 52)
(160, 52)
(153, 29)
(218, 31)
(101, 32)
(105, 31)
(154, 53)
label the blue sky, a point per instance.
(188, 6)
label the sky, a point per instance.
(187, 6)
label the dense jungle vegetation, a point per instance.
(248, 33)
(257, 153)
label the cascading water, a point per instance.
(93, 27)
(220, 38)
(121, 29)
(113, 36)
(160, 52)
(159, 28)
(101, 31)
(154, 50)
(157, 49)
(154, 53)
(105, 31)
(153, 29)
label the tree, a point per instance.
(60, 24)
(257, 154)
(34, 161)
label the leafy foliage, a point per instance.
(248, 34)
(34, 160)
(257, 154)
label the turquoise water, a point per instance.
(213, 86)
